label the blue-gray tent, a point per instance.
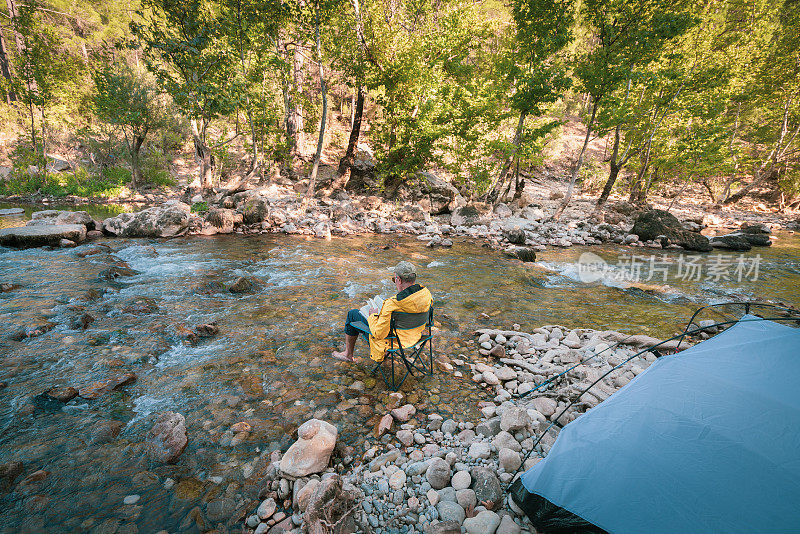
(707, 440)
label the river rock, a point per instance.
(105, 431)
(509, 459)
(223, 220)
(441, 196)
(461, 480)
(96, 389)
(404, 413)
(514, 418)
(486, 522)
(331, 503)
(406, 437)
(54, 217)
(756, 239)
(651, 224)
(167, 220)
(254, 210)
(10, 212)
(63, 394)
(498, 351)
(479, 449)
(42, 235)
(168, 438)
(504, 439)
(220, 509)
(302, 497)
(267, 508)
(438, 474)
(465, 216)
(384, 425)
(9, 471)
(312, 451)
(451, 511)
(444, 527)
(487, 487)
(397, 480)
(516, 236)
(241, 285)
(545, 406)
(734, 242)
(508, 526)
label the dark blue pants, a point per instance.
(354, 316)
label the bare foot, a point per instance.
(342, 356)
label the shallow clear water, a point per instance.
(269, 364)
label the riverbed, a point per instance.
(269, 365)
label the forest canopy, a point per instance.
(688, 91)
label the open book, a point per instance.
(374, 302)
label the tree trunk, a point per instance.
(346, 163)
(497, 187)
(312, 179)
(295, 127)
(203, 153)
(578, 164)
(136, 169)
(5, 68)
(613, 172)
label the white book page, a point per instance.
(374, 303)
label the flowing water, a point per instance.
(269, 365)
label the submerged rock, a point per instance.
(93, 391)
(42, 235)
(241, 285)
(312, 451)
(168, 438)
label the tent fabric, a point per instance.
(707, 440)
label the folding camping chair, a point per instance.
(413, 357)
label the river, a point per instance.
(269, 365)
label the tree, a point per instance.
(186, 51)
(628, 35)
(535, 73)
(42, 64)
(127, 99)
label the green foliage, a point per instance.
(110, 183)
(199, 207)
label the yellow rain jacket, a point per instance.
(413, 299)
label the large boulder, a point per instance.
(254, 210)
(730, 242)
(312, 450)
(434, 193)
(42, 235)
(651, 224)
(167, 220)
(442, 195)
(465, 216)
(223, 220)
(168, 438)
(61, 217)
(757, 239)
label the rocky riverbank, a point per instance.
(434, 214)
(434, 475)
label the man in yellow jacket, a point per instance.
(411, 298)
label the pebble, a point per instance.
(131, 499)
(267, 508)
(397, 480)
